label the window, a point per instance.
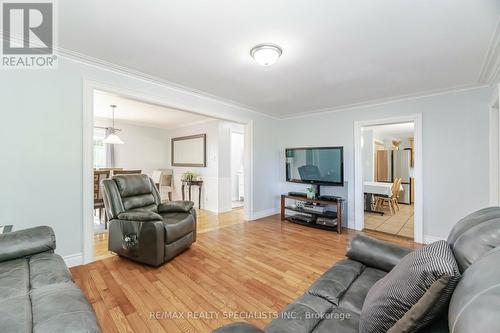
(99, 148)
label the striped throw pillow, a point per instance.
(414, 293)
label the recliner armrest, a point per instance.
(140, 216)
(26, 242)
(238, 328)
(176, 207)
(375, 253)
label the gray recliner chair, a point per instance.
(142, 228)
(341, 291)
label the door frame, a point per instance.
(494, 149)
(418, 235)
(89, 86)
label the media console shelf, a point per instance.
(314, 214)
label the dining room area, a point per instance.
(388, 178)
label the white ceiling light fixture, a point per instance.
(266, 54)
(112, 138)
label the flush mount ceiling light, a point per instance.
(112, 138)
(266, 54)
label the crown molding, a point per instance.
(489, 74)
(102, 64)
(384, 101)
(490, 71)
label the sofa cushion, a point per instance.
(15, 314)
(27, 242)
(375, 253)
(300, 316)
(240, 327)
(140, 215)
(177, 225)
(132, 185)
(176, 207)
(338, 320)
(46, 269)
(62, 307)
(354, 297)
(475, 302)
(413, 293)
(475, 235)
(14, 278)
(334, 282)
(138, 201)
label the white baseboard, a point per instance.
(428, 239)
(264, 213)
(73, 259)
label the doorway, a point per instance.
(91, 121)
(388, 180)
(237, 170)
(388, 176)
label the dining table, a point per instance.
(380, 189)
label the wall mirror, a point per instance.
(190, 151)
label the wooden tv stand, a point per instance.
(334, 201)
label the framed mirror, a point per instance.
(190, 151)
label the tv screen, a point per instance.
(323, 165)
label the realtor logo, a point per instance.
(28, 31)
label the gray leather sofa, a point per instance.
(37, 293)
(142, 228)
(334, 302)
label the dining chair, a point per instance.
(163, 179)
(392, 200)
(127, 172)
(99, 175)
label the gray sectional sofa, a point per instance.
(37, 293)
(333, 303)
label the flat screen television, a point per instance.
(320, 165)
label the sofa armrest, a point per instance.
(143, 241)
(26, 242)
(139, 216)
(238, 328)
(375, 253)
(176, 206)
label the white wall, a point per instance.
(455, 150)
(237, 146)
(145, 148)
(216, 191)
(368, 155)
(42, 149)
(210, 173)
(41, 131)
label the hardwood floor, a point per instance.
(242, 271)
(207, 221)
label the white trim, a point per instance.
(490, 70)
(95, 62)
(73, 259)
(149, 125)
(494, 150)
(88, 118)
(418, 171)
(385, 101)
(264, 213)
(88, 164)
(428, 239)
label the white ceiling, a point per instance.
(336, 53)
(143, 114)
(393, 130)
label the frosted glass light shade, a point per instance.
(266, 54)
(113, 139)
